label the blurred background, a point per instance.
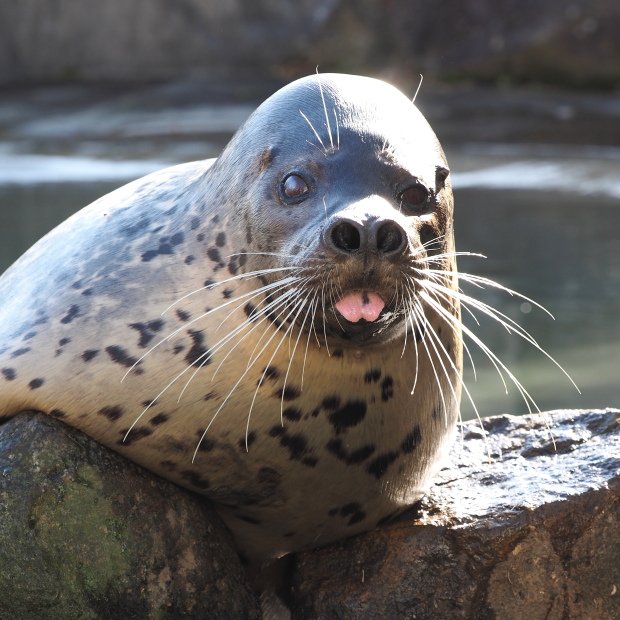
(524, 95)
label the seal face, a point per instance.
(275, 329)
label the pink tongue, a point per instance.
(358, 305)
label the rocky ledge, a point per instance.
(524, 523)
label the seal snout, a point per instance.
(380, 236)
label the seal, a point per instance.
(278, 329)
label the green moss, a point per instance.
(80, 537)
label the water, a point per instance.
(546, 216)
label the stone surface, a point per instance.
(568, 43)
(86, 534)
(522, 524)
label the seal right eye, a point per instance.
(294, 188)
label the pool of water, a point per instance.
(547, 217)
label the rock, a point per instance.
(524, 523)
(86, 534)
(566, 43)
(534, 532)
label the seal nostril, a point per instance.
(345, 237)
(390, 238)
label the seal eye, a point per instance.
(414, 199)
(294, 188)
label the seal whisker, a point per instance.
(505, 321)
(292, 355)
(419, 313)
(238, 382)
(314, 307)
(314, 131)
(281, 301)
(499, 365)
(329, 129)
(241, 276)
(250, 294)
(264, 374)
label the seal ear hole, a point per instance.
(441, 174)
(294, 188)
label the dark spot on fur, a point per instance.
(19, 352)
(412, 440)
(29, 336)
(177, 238)
(251, 440)
(189, 259)
(200, 237)
(148, 403)
(8, 373)
(169, 465)
(195, 479)
(269, 476)
(87, 291)
(250, 310)
(57, 413)
(288, 393)
(351, 414)
(183, 315)
(330, 403)
(289, 534)
(206, 444)
(194, 223)
(227, 293)
(297, 445)
(210, 395)
(120, 356)
(354, 511)
(310, 461)
(377, 467)
(166, 247)
(387, 389)
(337, 353)
(215, 219)
(178, 348)
(146, 331)
(199, 352)
(233, 265)
(137, 433)
(337, 448)
(160, 418)
(276, 431)
(89, 354)
(36, 383)
(242, 258)
(220, 240)
(292, 413)
(248, 519)
(372, 376)
(214, 255)
(209, 282)
(63, 341)
(388, 518)
(71, 314)
(112, 412)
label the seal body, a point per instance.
(257, 329)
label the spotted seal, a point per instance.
(277, 329)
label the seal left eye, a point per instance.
(414, 199)
(294, 188)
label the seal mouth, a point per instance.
(360, 305)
